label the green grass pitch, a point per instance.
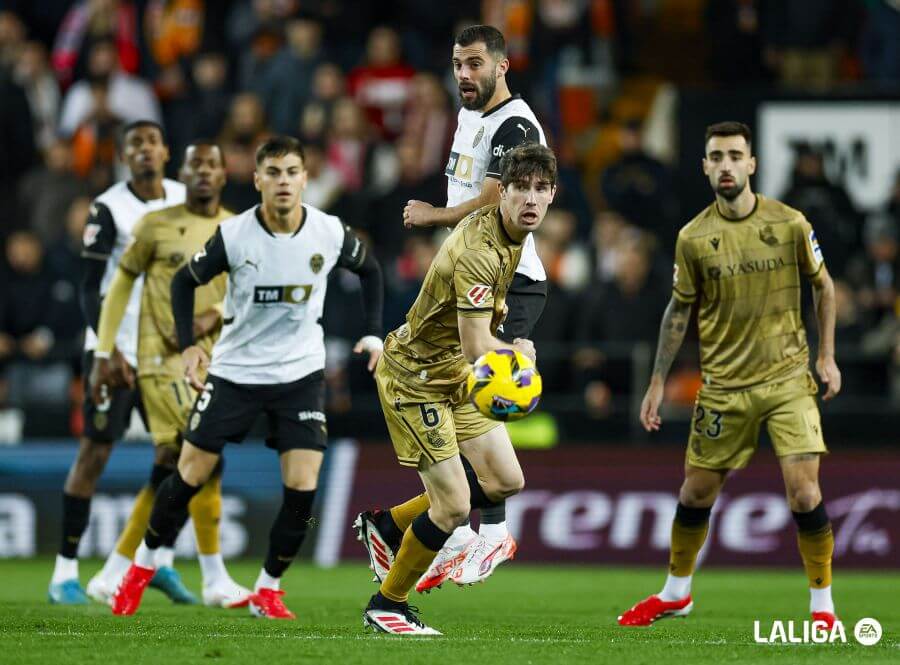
(524, 614)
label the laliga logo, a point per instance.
(867, 632)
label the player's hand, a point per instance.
(525, 347)
(830, 375)
(206, 322)
(650, 406)
(122, 373)
(195, 363)
(417, 213)
(372, 345)
(100, 379)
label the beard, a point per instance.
(731, 192)
(483, 94)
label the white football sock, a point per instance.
(115, 567)
(165, 557)
(820, 600)
(676, 588)
(460, 536)
(65, 569)
(212, 566)
(145, 557)
(494, 533)
(266, 581)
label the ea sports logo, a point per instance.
(867, 631)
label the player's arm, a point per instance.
(513, 132)
(476, 339)
(210, 261)
(356, 257)
(112, 311)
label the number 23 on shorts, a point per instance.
(707, 422)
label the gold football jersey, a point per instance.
(163, 241)
(745, 275)
(469, 277)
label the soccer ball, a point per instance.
(504, 385)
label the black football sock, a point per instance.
(169, 510)
(75, 514)
(288, 530)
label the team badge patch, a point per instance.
(316, 263)
(435, 440)
(91, 231)
(478, 294)
(478, 137)
(100, 420)
(767, 235)
(814, 247)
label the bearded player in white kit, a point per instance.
(491, 122)
(269, 359)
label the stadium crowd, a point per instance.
(367, 88)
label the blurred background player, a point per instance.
(743, 258)
(269, 359)
(163, 241)
(421, 383)
(107, 233)
(490, 123)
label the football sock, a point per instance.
(206, 510)
(169, 509)
(688, 535)
(212, 568)
(816, 542)
(266, 581)
(820, 600)
(145, 557)
(114, 567)
(494, 513)
(405, 513)
(493, 533)
(420, 545)
(288, 530)
(676, 588)
(477, 497)
(75, 514)
(65, 569)
(164, 557)
(137, 522)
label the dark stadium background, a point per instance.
(624, 90)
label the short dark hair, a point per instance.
(138, 124)
(527, 160)
(729, 128)
(492, 38)
(279, 146)
(207, 142)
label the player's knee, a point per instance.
(804, 497)
(511, 484)
(450, 514)
(92, 459)
(698, 496)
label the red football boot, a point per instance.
(267, 604)
(652, 608)
(127, 598)
(825, 617)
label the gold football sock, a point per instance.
(206, 510)
(413, 558)
(137, 523)
(688, 535)
(405, 513)
(816, 549)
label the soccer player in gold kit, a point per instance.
(741, 261)
(162, 242)
(421, 379)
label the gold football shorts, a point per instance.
(167, 400)
(725, 425)
(421, 428)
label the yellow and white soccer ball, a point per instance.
(504, 385)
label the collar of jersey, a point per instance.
(503, 236)
(734, 220)
(502, 104)
(140, 198)
(257, 213)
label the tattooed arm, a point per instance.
(671, 334)
(824, 301)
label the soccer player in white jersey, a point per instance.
(107, 233)
(491, 122)
(269, 359)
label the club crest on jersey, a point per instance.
(316, 263)
(478, 137)
(814, 247)
(478, 294)
(767, 235)
(290, 294)
(91, 231)
(176, 259)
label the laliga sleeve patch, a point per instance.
(814, 247)
(478, 294)
(91, 231)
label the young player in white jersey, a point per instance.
(107, 233)
(269, 359)
(491, 122)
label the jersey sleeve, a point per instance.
(684, 276)
(139, 253)
(210, 261)
(474, 278)
(99, 235)
(353, 251)
(514, 131)
(809, 254)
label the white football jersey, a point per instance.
(107, 233)
(481, 139)
(275, 294)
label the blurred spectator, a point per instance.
(328, 87)
(64, 254)
(880, 48)
(827, 205)
(245, 128)
(32, 73)
(39, 343)
(567, 262)
(876, 273)
(47, 191)
(640, 187)
(348, 144)
(90, 21)
(94, 143)
(611, 233)
(288, 81)
(17, 149)
(382, 84)
(735, 40)
(202, 110)
(174, 29)
(405, 273)
(126, 97)
(429, 122)
(570, 192)
(12, 40)
(323, 182)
